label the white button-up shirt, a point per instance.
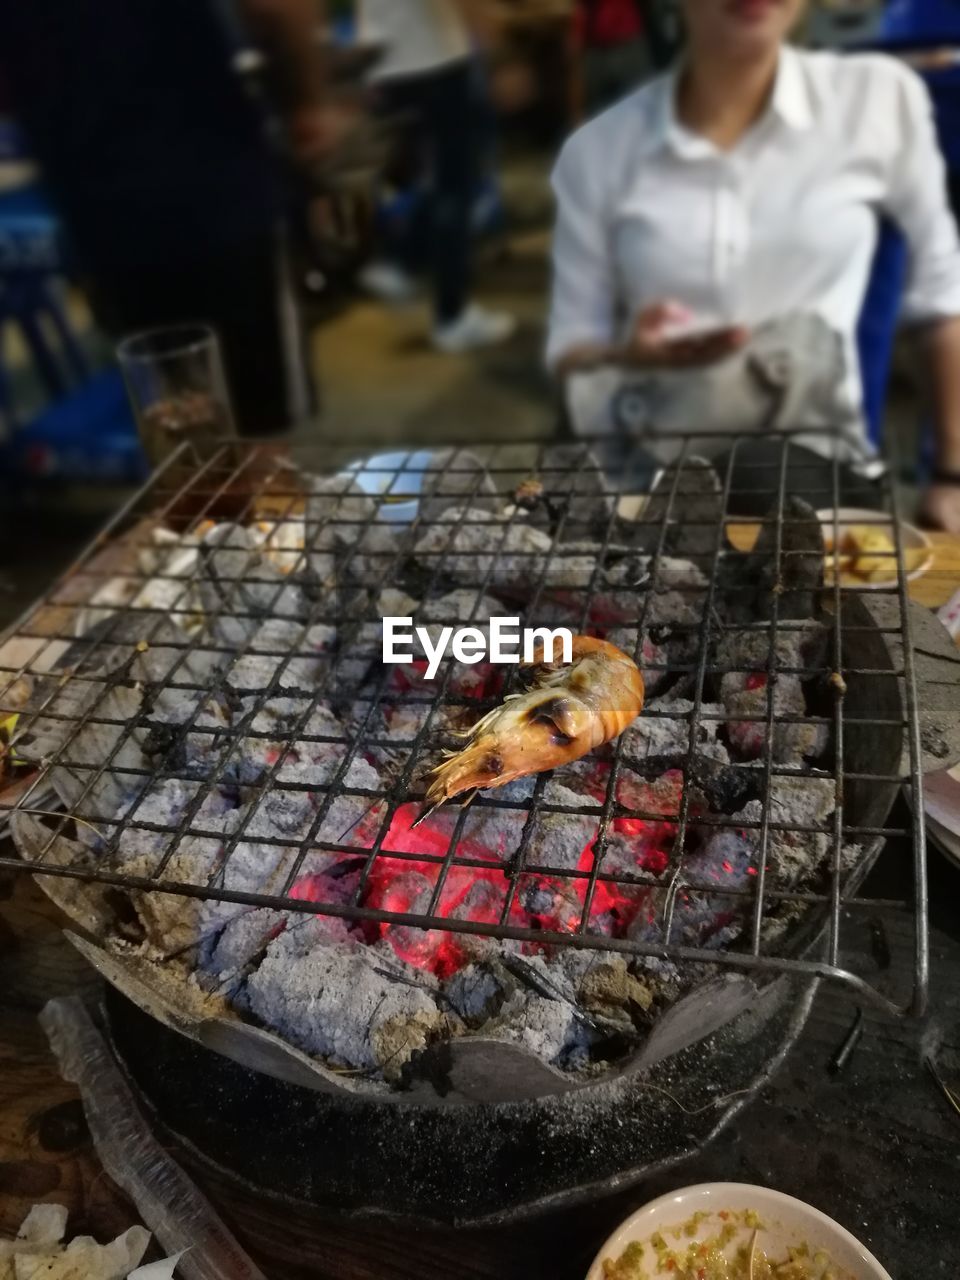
(784, 222)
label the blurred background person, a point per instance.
(428, 71)
(615, 52)
(160, 162)
(741, 192)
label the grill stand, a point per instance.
(318, 1158)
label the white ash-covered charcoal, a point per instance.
(103, 762)
(282, 542)
(796, 744)
(242, 939)
(573, 566)
(551, 1028)
(489, 830)
(394, 603)
(351, 819)
(269, 657)
(346, 533)
(450, 477)
(347, 1004)
(656, 737)
(470, 546)
(559, 840)
(280, 811)
(239, 587)
(664, 573)
(476, 993)
(460, 606)
(318, 763)
(282, 714)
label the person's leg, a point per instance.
(449, 116)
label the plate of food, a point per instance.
(860, 546)
(733, 1231)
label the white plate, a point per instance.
(945, 840)
(911, 538)
(941, 798)
(786, 1222)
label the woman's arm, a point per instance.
(941, 348)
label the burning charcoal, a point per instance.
(748, 695)
(795, 802)
(695, 513)
(346, 1004)
(748, 583)
(451, 476)
(797, 646)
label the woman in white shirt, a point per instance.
(746, 186)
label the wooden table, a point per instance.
(878, 1148)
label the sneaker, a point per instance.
(388, 282)
(474, 327)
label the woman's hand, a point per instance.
(941, 507)
(656, 344)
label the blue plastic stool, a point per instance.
(31, 264)
(89, 436)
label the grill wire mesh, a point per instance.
(245, 483)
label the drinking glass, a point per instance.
(176, 385)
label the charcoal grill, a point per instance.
(883, 726)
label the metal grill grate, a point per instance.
(244, 484)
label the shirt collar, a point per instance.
(792, 104)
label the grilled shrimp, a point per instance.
(572, 709)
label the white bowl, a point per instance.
(911, 539)
(786, 1222)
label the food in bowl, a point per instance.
(725, 1244)
(861, 550)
